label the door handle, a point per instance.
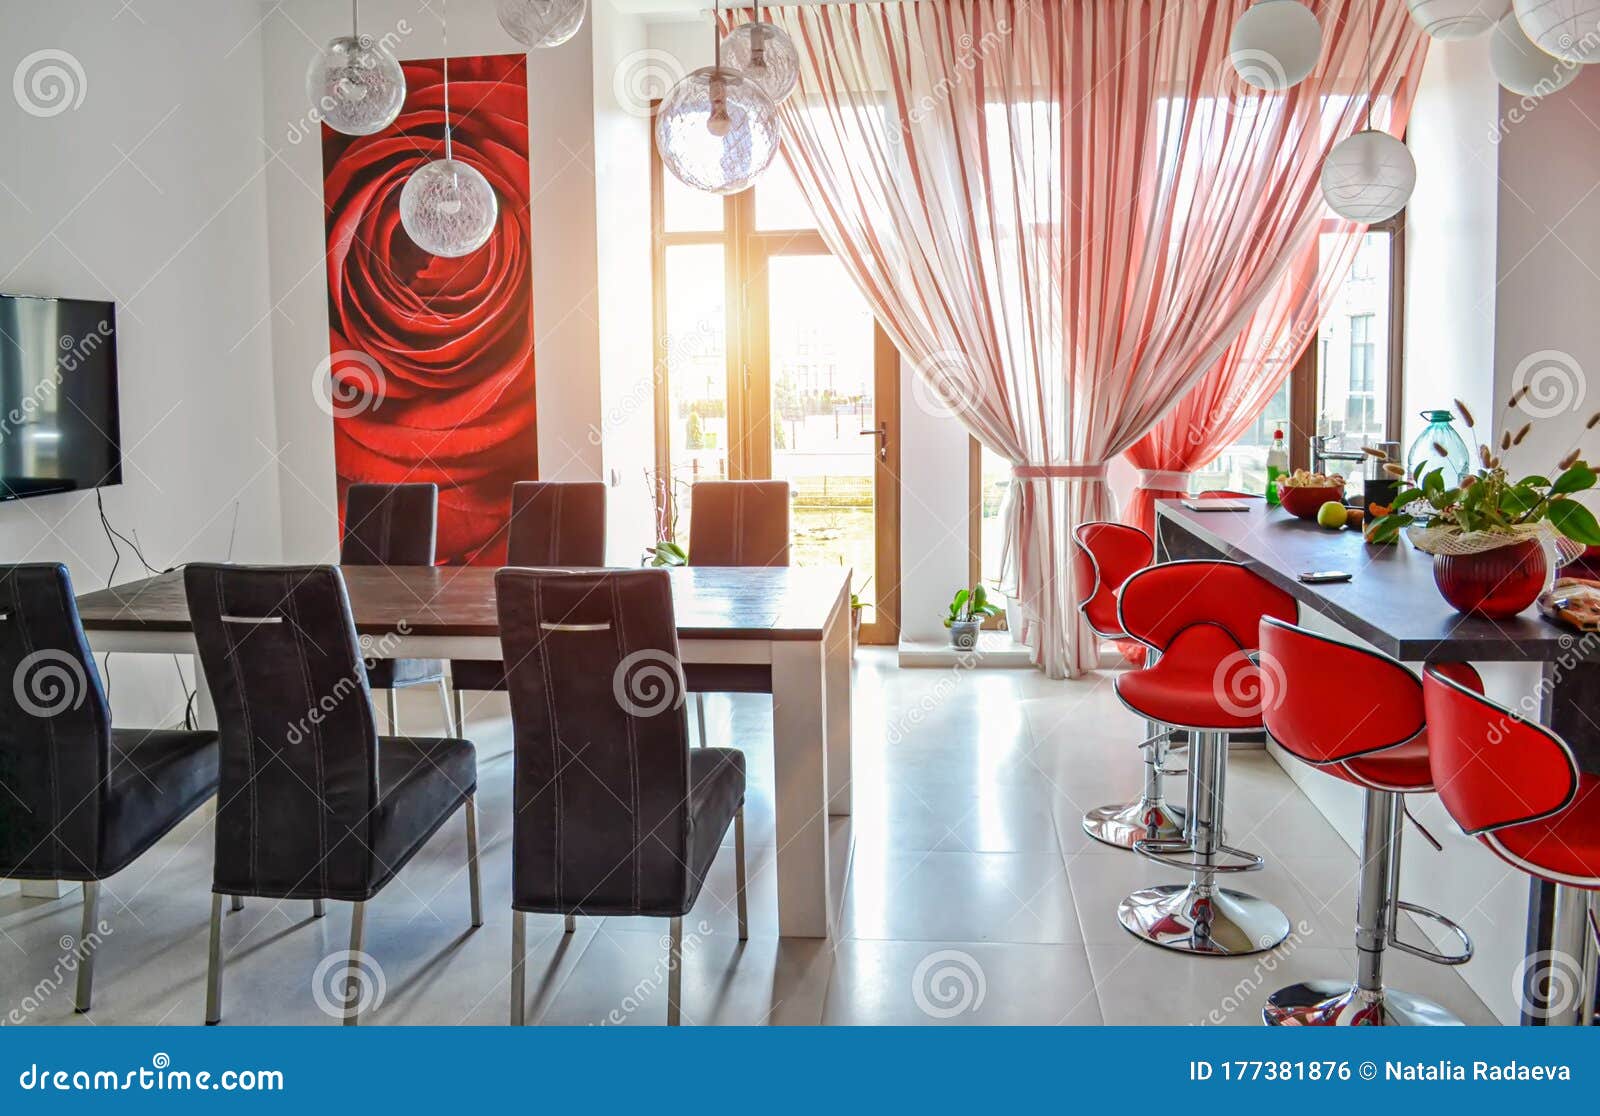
(882, 434)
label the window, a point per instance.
(1345, 386)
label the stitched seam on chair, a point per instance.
(633, 739)
(556, 775)
(316, 747)
(738, 526)
(56, 840)
(249, 736)
(553, 547)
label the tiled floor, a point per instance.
(966, 893)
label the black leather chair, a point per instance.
(79, 800)
(313, 803)
(395, 525)
(553, 523)
(613, 814)
(735, 523)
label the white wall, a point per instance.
(1450, 235)
(150, 194)
(567, 355)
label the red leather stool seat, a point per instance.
(1564, 847)
(1403, 768)
(1106, 555)
(1204, 680)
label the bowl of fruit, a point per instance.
(1303, 492)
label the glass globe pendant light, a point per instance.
(354, 84)
(447, 207)
(716, 129)
(1368, 177)
(541, 23)
(764, 53)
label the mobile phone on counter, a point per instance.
(1323, 577)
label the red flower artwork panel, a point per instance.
(432, 358)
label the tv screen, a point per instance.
(59, 428)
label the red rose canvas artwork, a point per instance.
(431, 373)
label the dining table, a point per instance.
(1391, 602)
(786, 627)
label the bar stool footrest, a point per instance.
(1424, 952)
(1161, 852)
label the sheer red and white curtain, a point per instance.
(1064, 212)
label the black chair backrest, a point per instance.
(298, 742)
(601, 822)
(739, 523)
(390, 525)
(55, 728)
(556, 523)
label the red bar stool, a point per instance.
(1378, 742)
(1204, 618)
(1516, 786)
(1106, 555)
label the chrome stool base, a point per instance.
(1191, 919)
(1333, 1003)
(1122, 825)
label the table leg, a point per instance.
(47, 889)
(799, 747)
(838, 670)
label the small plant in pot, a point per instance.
(968, 611)
(1490, 535)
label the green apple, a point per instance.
(1332, 515)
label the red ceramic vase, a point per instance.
(1496, 583)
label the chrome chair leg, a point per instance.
(572, 923)
(238, 902)
(1200, 917)
(392, 706)
(352, 987)
(472, 860)
(1545, 994)
(1149, 817)
(1367, 1002)
(519, 973)
(739, 873)
(318, 908)
(450, 726)
(88, 942)
(675, 973)
(460, 704)
(214, 966)
(700, 717)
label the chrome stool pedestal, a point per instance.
(1147, 818)
(1200, 917)
(1367, 1003)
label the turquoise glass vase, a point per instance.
(1440, 434)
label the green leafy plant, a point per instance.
(971, 604)
(1490, 500)
(855, 598)
(668, 553)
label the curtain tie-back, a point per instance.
(1165, 480)
(1060, 472)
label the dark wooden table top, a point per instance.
(1391, 601)
(783, 603)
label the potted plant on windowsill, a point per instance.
(856, 607)
(1491, 535)
(968, 611)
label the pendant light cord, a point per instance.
(716, 32)
(1369, 65)
(444, 28)
(355, 22)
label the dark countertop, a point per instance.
(1391, 601)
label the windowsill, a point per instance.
(995, 649)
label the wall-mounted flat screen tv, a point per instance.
(59, 423)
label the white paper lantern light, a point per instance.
(1522, 67)
(764, 53)
(1368, 177)
(1275, 44)
(1567, 29)
(1457, 19)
